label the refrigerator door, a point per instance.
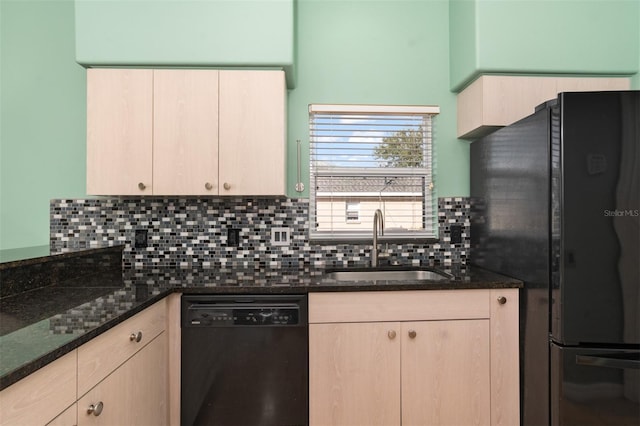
(595, 218)
(591, 386)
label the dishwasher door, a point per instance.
(244, 360)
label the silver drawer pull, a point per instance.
(137, 337)
(96, 409)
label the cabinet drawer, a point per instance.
(363, 306)
(41, 396)
(135, 394)
(99, 357)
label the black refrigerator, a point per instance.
(555, 203)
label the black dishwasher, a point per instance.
(244, 360)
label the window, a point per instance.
(368, 157)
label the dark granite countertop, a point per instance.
(10, 258)
(40, 325)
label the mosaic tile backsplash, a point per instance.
(193, 233)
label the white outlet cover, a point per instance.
(280, 236)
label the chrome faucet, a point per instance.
(378, 222)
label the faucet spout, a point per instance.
(378, 224)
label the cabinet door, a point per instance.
(41, 396)
(134, 394)
(505, 357)
(446, 373)
(252, 132)
(119, 131)
(354, 374)
(185, 129)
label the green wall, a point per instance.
(594, 37)
(348, 51)
(42, 116)
(232, 33)
(463, 57)
(380, 52)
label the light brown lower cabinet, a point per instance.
(354, 374)
(125, 372)
(134, 394)
(445, 372)
(68, 417)
(414, 358)
(102, 355)
(42, 396)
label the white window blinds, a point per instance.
(377, 156)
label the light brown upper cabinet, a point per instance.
(252, 133)
(119, 131)
(185, 132)
(494, 101)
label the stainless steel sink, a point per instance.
(394, 275)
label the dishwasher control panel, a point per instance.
(244, 310)
(220, 316)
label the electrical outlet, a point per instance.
(455, 232)
(140, 238)
(280, 236)
(233, 237)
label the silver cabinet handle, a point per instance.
(412, 334)
(502, 300)
(227, 186)
(142, 186)
(137, 337)
(208, 186)
(391, 334)
(96, 409)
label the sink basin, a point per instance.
(394, 275)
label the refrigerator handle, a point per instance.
(633, 362)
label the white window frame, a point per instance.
(317, 169)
